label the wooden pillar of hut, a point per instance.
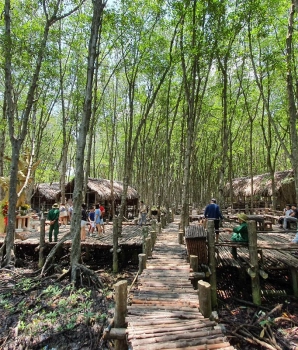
(115, 245)
(253, 271)
(42, 243)
(120, 312)
(212, 262)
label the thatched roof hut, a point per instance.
(262, 189)
(45, 194)
(98, 191)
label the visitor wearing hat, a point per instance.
(240, 233)
(53, 216)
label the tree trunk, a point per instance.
(98, 7)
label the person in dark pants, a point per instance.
(53, 217)
(212, 212)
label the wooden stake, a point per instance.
(204, 293)
(120, 311)
(254, 263)
(212, 262)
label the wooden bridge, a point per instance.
(164, 309)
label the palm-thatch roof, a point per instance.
(49, 191)
(103, 189)
(262, 186)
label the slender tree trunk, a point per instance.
(98, 7)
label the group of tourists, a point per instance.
(60, 216)
(290, 215)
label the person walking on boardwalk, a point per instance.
(212, 212)
(53, 217)
(142, 214)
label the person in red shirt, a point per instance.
(102, 210)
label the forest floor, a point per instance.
(44, 313)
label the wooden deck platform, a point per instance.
(95, 250)
(164, 311)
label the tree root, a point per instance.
(89, 273)
(54, 250)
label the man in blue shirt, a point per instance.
(212, 212)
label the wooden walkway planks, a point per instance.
(164, 307)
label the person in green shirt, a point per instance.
(240, 233)
(53, 216)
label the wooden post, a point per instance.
(180, 236)
(294, 276)
(194, 263)
(142, 263)
(120, 311)
(115, 245)
(158, 228)
(204, 293)
(254, 263)
(153, 237)
(42, 242)
(144, 234)
(212, 262)
(148, 247)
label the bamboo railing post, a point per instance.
(42, 242)
(254, 263)
(212, 262)
(120, 311)
(204, 293)
(142, 263)
(115, 245)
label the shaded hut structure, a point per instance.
(45, 195)
(102, 191)
(261, 191)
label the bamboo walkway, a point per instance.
(164, 313)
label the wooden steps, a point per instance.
(164, 310)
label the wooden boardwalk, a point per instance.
(164, 310)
